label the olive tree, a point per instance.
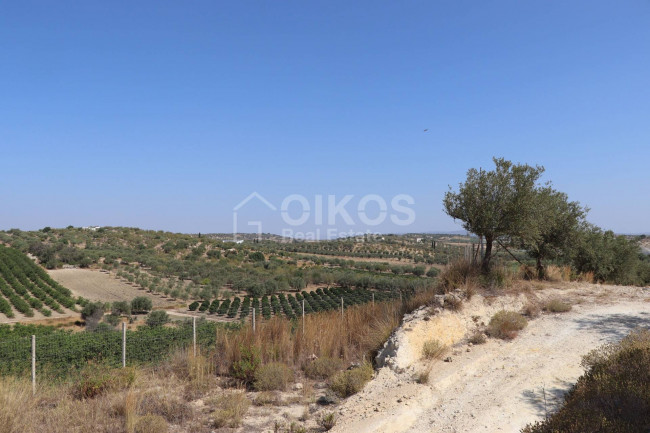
(554, 228)
(495, 203)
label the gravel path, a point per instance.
(497, 386)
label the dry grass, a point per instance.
(231, 406)
(532, 310)
(433, 349)
(323, 368)
(274, 376)
(556, 306)
(477, 337)
(459, 274)
(361, 332)
(557, 273)
(506, 324)
(422, 377)
(151, 424)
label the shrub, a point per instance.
(477, 337)
(327, 421)
(613, 395)
(422, 377)
(141, 304)
(244, 369)
(273, 377)
(120, 308)
(194, 305)
(557, 306)
(157, 318)
(151, 424)
(506, 324)
(95, 380)
(92, 310)
(349, 382)
(112, 319)
(231, 408)
(323, 368)
(256, 256)
(432, 272)
(172, 408)
(531, 310)
(433, 349)
(458, 274)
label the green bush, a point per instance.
(157, 318)
(244, 369)
(92, 310)
(141, 305)
(120, 308)
(506, 324)
(273, 377)
(349, 382)
(112, 319)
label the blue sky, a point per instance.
(165, 115)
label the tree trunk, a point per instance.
(488, 255)
(540, 268)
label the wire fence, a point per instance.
(59, 353)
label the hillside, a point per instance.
(26, 289)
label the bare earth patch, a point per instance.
(500, 385)
(100, 286)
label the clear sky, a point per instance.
(166, 114)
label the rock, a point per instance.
(297, 386)
(399, 400)
(469, 349)
(448, 359)
(326, 400)
(320, 385)
(354, 365)
(313, 407)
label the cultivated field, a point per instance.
(100, 286)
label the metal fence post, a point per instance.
(123, 344)
(373, 299)
(253, 320)
(303, 316)
(34, 364)
(194, 334)
(341, 308)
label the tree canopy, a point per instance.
(495, 203)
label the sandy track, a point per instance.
(100, 286)
(498, 386)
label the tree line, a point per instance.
(509, 207)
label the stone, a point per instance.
(326, 400)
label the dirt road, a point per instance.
(497, 386)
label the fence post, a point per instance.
(194, 334)
(34, 364)
(341, 308)
(303, 316)
(373, 299)
(253, 320)
(123, 344)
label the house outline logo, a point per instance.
(244, 202)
